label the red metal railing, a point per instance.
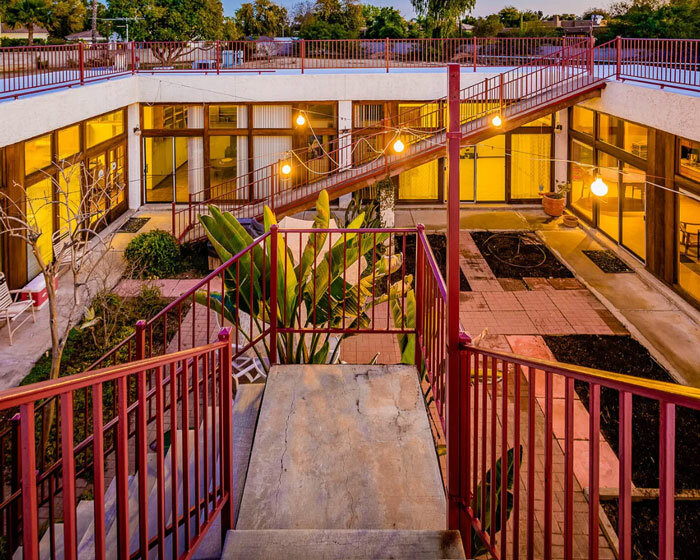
(367, 154)
(26, 70)
(191, 391)
(672, 62)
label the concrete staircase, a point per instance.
(343, 466)
(246, 407)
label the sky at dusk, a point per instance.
(483, 7)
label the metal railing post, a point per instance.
(81, 63)
(140, 339)
(172, 206)
(618, 57)
(30, 522)
(133, 58)
(386, 48)
(591, 42)
(227, 514)
(273, 294)
(15, 478)
(474, 51)
(218, 54)
(420, 284)
(455, 510)
(303, 53)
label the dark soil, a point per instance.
(623, 354)
(438, 244)
(518, 254)
(645, 527)
(132, 225)
(607, 261)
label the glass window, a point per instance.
(582, 174)
(626, 135)
(223, 161)
(689, 245)
(223, 116)
(68, 142)
(608, 205)
(466, 174)
(40, 217)
(168, 117)
(96, 195)
(104, 128)
(367, 148)
(37, 154)
(633, 208)
(491, 170)
(272, 116)
(367, 114)
(419, 115)
(69, 198)
(530, 165)
(582, 120)
(690, 160)
(117, 176)
(419, 183)
(321, 115)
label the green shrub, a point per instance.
(154, 254)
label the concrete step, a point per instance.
(338, 544)
(343, 447)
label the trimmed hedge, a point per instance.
(153, 254)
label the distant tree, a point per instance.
(442, 15)
(66, 17)
(509, 16)
(29, 14)
(588, 14)
(488, 26)
(386, 22)
(230, 30)
(170, 20)
(678, 19)
(329, 19)
(262, 18)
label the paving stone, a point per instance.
(565, 284)
(538, 284)
(512, 284)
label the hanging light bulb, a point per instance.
(598, 187)
(497, 121)
(301, 119)
(286, 168)
(399, 146)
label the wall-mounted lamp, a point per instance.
(137, 131)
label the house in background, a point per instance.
(85, 37)
(8, 32)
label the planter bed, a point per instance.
(623, 354)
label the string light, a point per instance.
(598, 187)
(497, 121)
(286, 168)
(399, 146)
(301, 119)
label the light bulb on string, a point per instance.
(286, 169)
(497, 121)
(301, 119)
(399, 146)
(598, 187)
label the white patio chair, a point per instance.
(11, 308)
(249, 367)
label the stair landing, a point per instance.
(343, 447)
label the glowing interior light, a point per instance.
(599, 188)
(398, 146)
(286, 169)
(497, 121)
(301, 119)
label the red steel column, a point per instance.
(453, 374)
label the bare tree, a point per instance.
(78, 249)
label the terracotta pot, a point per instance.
(553, 206)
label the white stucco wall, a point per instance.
(668, 110)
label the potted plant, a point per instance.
(554, 201)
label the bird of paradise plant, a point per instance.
(314, 293)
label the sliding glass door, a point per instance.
(166, 168)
